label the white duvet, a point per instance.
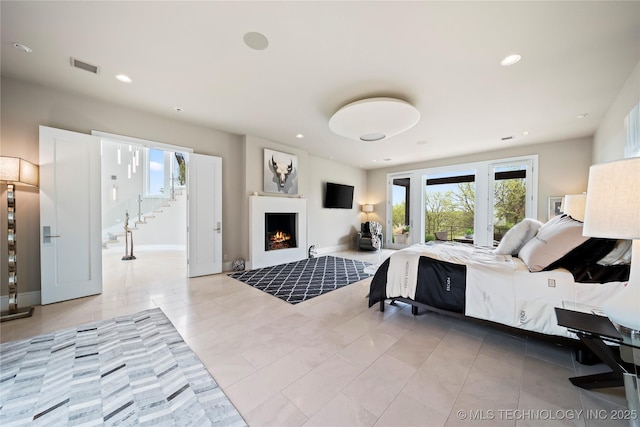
(500, 288)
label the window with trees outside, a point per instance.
(450, 206)
(400, 209)
(471, 203)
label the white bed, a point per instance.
(497, 288)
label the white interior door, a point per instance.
(205, 215)
(70, 203)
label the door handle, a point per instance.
(46, 234)
(218, 227)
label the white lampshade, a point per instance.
(613, 200)
(18, 171)
(613, 211)
(574, 205)
(374, 119)
(367, 208)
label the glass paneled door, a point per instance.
(400, 222)
(511, 183)
(449, 205)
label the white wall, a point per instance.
(610, 137)
(328, 229)
(334, 229)
(127, 189)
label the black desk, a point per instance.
(594, 331)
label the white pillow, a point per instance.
(517, 236)
(556, 238)
(621, 254)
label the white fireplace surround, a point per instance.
(259, 206)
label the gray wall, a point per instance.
(328, 229)
(24, 107)
(563, 165)
(610, 137)
(563, 169)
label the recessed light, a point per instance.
(22, 47)
(421, 142)
(510, 60)
(387, 159)
(299, 136)
(582, 116)
(123, 78)
(526, 132)
(374, 160)
(178, 109)
(256, 41)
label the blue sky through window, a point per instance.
(156, 171)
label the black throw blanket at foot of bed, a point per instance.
(441, 284)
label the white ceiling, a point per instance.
(443, 57)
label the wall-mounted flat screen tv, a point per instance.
(338, 196)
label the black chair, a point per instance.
(365, 239)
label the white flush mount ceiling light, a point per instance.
(374, 119)
(510, 60)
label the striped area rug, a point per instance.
(298, 281)
(131, 370)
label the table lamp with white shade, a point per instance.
(367, 209)
(613, 211)
(574, 205)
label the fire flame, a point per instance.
(280, 236)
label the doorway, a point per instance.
(144, 189)
(70, 211)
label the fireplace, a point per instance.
(277, 216)
(280, 231)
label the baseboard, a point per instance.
(143, 248)
(319, 252)
(227, 266)
(328, 249)
(25, 299)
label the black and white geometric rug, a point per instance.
(131, 370)
(298, 281)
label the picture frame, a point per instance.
(555, 206)
(632, 127)
(280, 172)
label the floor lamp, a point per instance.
(15, 171)
(613, 211)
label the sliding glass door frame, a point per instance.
(484, 197)
(531, 184)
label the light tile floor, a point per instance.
(332, 361)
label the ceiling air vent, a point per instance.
(84, 66)
(506, 138)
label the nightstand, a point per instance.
(597, 333)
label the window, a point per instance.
(156, 177)
(400, 208)
(473, 203)
(450, 205)
(509, 201)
